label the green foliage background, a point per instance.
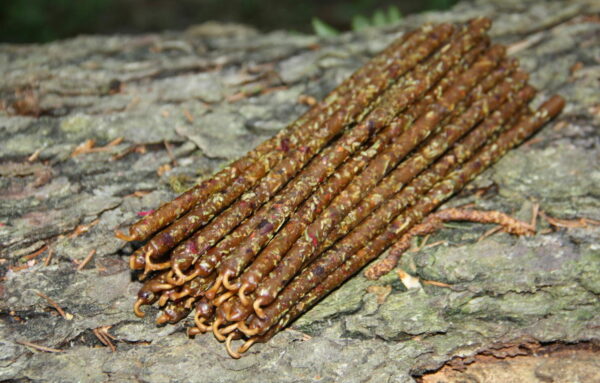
(26, 21)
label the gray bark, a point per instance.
(183, 89)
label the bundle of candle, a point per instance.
(267, 237)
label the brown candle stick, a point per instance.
(260, 242)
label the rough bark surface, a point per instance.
(213, 92)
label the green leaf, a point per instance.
(379, 19)
(360, 22)
(322, 29)
(394, 15)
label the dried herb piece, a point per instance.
(364, 182)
